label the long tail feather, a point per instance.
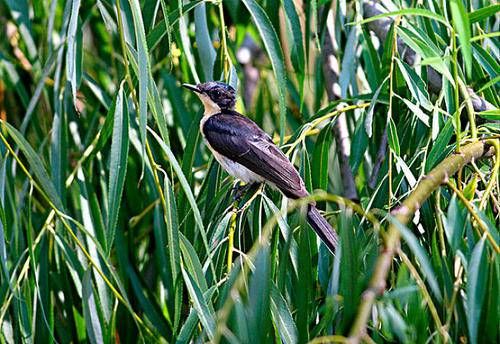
(322, 228)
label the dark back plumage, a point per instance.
(241, 140)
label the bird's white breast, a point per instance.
(233, 168)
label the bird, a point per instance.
(249, 154)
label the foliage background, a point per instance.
(118, 226)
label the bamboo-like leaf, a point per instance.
(424, 46)
(157, 34)
(483, 13)
(206, 317)
(258, 315)
(271, 42)
(415, 84)
(187, 190)
(392, 136)
(462, 27)
(206, 49)
(144, 68)
(36, 165)
(454, 224)
(321, 158)
(71, 52)
(92, 321)
(476, 288)
(117, 164)
(282, 317)
(173, 245)
(491, 115)
(422, 257)
(407, 12)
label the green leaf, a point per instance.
(476, 287)
(349, 62)
(454, 224)
(174, 254)
(405, 12)
(369, 112)
(192, 320)
(90, 313)
(206, 49)
(423, 45)
(417, 111)
(92, 221)
(117, 164)
(439, 149)
(462, 27)
(392, 137)
(258, 315)
(36, 165)
(282, 317)
(71, 52)
(271, 42)
(159, 31)
(297, 44)
(144, 68)
(187, 190)
(421, 255)
(483, 13)
(491, 115)
(206, 317)
(192, 263)
(151, 310)
(358, 150)
(321, 158)
(59, 144)
(415, 84)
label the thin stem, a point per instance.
(230, 242)
(389, 112)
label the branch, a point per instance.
(434, 81)
(340, 130)
(404, 214)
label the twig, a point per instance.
(404, 214)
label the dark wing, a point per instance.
(242, 141)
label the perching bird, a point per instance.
(246, 152)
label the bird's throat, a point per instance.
(211, 108)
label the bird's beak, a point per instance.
(190, 87)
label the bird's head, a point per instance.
(215, 95)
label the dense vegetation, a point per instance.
(117, 225)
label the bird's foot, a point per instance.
(240, 190)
